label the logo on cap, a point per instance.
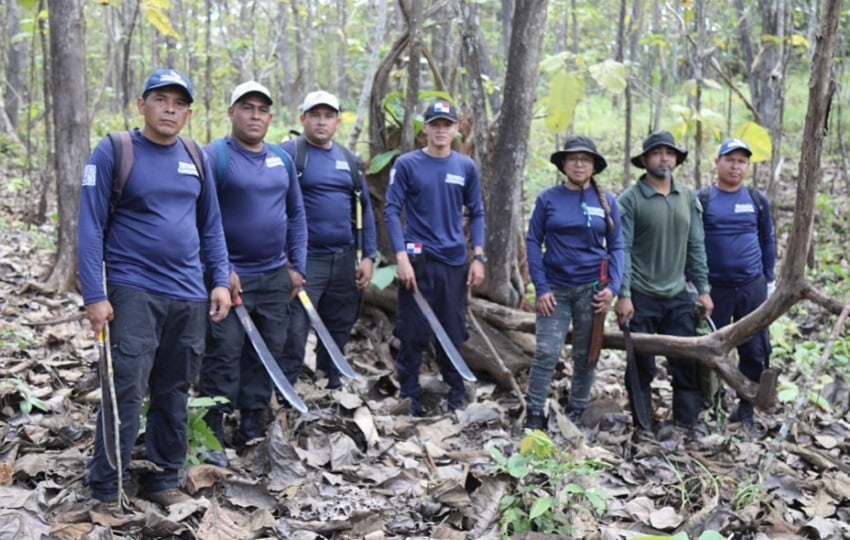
(442, 106)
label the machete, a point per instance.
(108, 400)
(598, 330)
(636, 397)
(443, 337)
(268, 361)
(325, 336)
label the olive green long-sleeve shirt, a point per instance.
(663, 235)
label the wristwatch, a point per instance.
(480, 257)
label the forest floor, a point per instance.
(356, 467)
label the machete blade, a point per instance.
(325, 336)
(448, 347)
(278, 378)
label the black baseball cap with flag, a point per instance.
(440, 109)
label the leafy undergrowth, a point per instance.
(355, 466)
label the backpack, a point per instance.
(222, 159)
(123, 159)
(703, 195)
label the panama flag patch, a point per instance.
(414, 248)
(442, 106)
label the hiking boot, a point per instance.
(535, 420)
(252, 424)
(743, 413)
(575, 416)
(216, 457)
(167, 497)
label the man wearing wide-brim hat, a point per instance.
(663, 235)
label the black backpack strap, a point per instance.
(122, 164)
(300, 155)
(703, 196)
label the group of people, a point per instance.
(167, 250)
(659, 241)
(168, 243)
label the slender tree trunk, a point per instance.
(47, 173)
(503, 177)
(471, 59)
(14, 64)
(208, 89)
(411, 100)
(67, 60)
(342, 82)
(288, 97)
(363, 102)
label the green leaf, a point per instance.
(550, 64)
(758, 138)
(383, 276)
(382, 160)
(565, 92)
(610, 75)
(787, 392)
(154, 12)
(540, 507)
(518, 465)
(711, 535)
(797, 40)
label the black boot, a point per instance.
(215, 420)
(252, 425)
(535, 420)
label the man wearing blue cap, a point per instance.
(663, 235)
(161, 226)
(266, 231)
(741, 250)
(432, 186)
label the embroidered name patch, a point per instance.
(342, 165)
(744, 209)
(89, 175)
(455, 179)
(392, 176)
(596, 211)
(273, 161)
(187, 168)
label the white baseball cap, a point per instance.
(250, 87)
(320, 97)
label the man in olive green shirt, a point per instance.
(663, 235)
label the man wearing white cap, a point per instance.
(266, 232)
(340, 255)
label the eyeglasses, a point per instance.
(576, 160)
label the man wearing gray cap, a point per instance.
(154, 236)
(264, 224)
(663, 235)
(340, 254)
(741, 250)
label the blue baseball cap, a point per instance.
(730, 145)
(167, 77)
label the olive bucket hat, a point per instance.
(579, 143)
(659, 138)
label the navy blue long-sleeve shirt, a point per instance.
(432, 192)
(162, 230)
(327, 190)
(739, 246)
(262, 211)
(575, 239)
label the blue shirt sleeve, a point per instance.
(94, 211)
(616, 246)
(213, 244)
(296, 231)
(370, 235)
(767, 239)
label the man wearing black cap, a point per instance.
(741, 250)
(266, 231)
(432, 186)
(159, 232)
(663, 235)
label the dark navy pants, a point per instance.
(231, 367)
(444, 287)
(675, 317)
(332, 288)
(732, 303)
(157, 343)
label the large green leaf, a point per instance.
(565, 92)
(382, 160)
(758, 138)
(155, 13)
(383, 276)
(540, 507)
(610, 75)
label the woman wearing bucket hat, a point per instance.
(579, 225)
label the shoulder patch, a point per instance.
(90, 175)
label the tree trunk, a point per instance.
(286, 88)
(14, 64)
(47, 173)
(68, 65)
(363, 102)
(503, 176)
(414, 49)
